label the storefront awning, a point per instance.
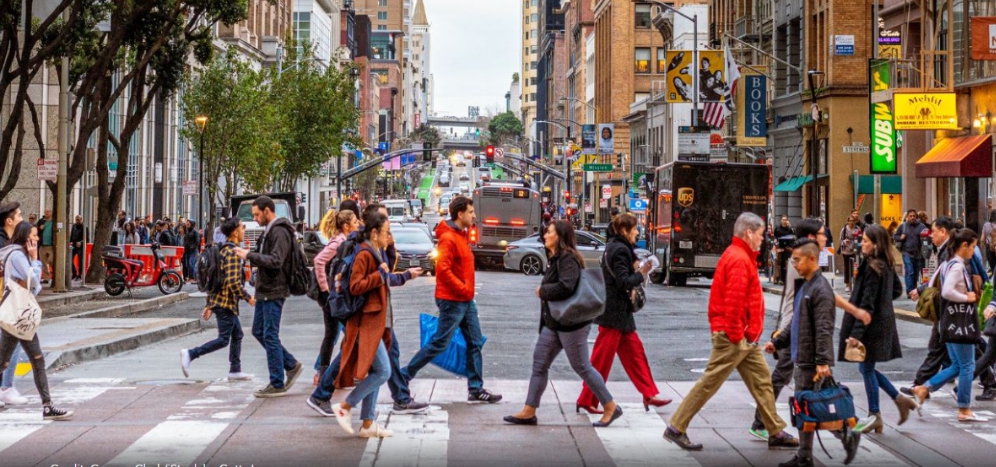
(966, 156)
(794, 183)
(891, 184)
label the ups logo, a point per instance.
(686, 196)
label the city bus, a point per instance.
(505, 213)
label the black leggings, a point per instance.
(33, 349)
(331, 332)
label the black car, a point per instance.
(415, 249)
(314, 242)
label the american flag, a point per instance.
(715, 112)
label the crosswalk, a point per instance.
(121, 423)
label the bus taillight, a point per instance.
(491, 221)
(518, 223)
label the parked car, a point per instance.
(313, 242)
(414, 225)
(529, 256)
(415, 249)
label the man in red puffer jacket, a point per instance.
(736, 317)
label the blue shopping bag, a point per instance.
(454, 358)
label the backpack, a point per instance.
(209, 277)
(344, 304)
(4, 254)
(300, 274)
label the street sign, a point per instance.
(598, 167)
(606, 192)
(638, 205)
(856, 148)
(189, 187)
(48, 169)
(499, 153)
(603, 203)
(384, 146)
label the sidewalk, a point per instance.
(905, 308)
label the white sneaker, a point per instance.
(240, 376)
(185, 362)
(375, 431)
(11, 396)
(344, 417)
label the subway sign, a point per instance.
(883, 133)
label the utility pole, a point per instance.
(61, 198)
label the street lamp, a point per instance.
(814, 143)
(201, 121)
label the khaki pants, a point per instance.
(47, 256)
(749, 361)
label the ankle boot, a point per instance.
(905, 405)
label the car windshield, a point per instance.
(282, 210)
(395, 211)
(410, 236)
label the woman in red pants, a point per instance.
(616, 328)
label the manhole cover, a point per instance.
(168, 382)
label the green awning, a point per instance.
(891, 184)
(794, 183)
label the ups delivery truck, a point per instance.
(696, 206)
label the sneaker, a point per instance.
(759, 433)
(798, 461)
(344, 417)
(292, 375)
(50, 412)
(239, 376)
(270, 391)
(782, 440)
(987, 395)
(322, 407)
(185, 362)
(851, 440)
(410, 407)
(375, 431)
(681, 439)
(10, 396)
(483, 396)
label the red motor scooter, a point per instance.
(124, 273)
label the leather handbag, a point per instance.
(585, 304)
(855, 353)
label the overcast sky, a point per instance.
(475, 49)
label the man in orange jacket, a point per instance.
(455, 299)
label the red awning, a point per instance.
(965, 156)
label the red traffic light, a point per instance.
(490, 150)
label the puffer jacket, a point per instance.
(455, 264)
(620, 279)
(816, 316)
(736, 303)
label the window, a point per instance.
(642, 58)
(382, 27)
(662, 60)
(532, 97)
(382, 16)
(532, 81)
(533, 49)
(643, 16)
(534, 2)
(527, 19)
(532, 33)
(532, 66)
(534, 17)
(382, 3)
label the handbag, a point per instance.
(855, 353)
(20, 314)
(585, 304)
(930, 300)
(828, 406)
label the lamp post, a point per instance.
(201, 121)
(814, 145)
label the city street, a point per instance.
(136, 408)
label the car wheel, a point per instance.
(531, 265)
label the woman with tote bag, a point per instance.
(23, 269)
(559, 283)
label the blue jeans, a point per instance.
(9, 373)
(962, 367)
(368, 389)
(190, 264)
(909, 263)
(875, 380)
(453, 315)
(266, 330)
(398, 386)
(229, 330)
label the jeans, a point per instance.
(875, 380)
(396, 383)
(229, 330)
(962, 367)
(452, 315)
(909, 263)
(33, 348)
(575, 345)
(368, 389)
(266, 330)
(9, 373)
(190, 264)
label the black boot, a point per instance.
(987, 395)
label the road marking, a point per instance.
(420, 440)
(636, 439)
(185, 434)
(984, 431)
(17, 423)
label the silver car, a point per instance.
(529, 256)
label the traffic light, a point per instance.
(477, 132)
(619, 159)
(567, 196)
(489, 152)
(476, 162)
(426, 152)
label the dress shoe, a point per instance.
(520, 421)
(615, 415)
(681, 439)
(649, 402)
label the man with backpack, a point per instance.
(223, 278)
(907, 238)
(273, 259)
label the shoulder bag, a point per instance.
(20, 314)
(930, 300)
(587, 302)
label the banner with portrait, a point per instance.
(711, 73)
(606, 138)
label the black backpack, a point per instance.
(209, 277)
(300, 275)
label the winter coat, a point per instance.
(272, 258)
(874, 291)
(192, 242)
(620, 279)
(455, 264)
(816, 316)
(559, 282)
(366, 330)
(736, 303)
(910, 246)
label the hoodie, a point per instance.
(455, 264)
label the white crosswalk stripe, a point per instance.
(420, 440)
(636, 439)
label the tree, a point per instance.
(504, 128)
(366, 182)
(427, 134)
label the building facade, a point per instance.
(530, 61)
(420, 64)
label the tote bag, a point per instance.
(20, 314)
(587, 302)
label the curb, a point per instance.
(106, 349)
(901, 314)
(70, 297)
(125, 309)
